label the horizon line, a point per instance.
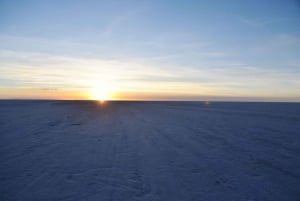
(152, 100)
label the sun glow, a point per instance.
(101, 94)
(102, 90)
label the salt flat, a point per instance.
(149, 151)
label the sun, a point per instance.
(101, 94)
(102, 90)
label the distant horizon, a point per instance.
(159, 100)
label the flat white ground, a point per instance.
(149, 151)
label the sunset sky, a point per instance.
(150, 49)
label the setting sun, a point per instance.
(100, 94)
(102, 90)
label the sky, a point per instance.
(150, 49)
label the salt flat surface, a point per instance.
(149, 151)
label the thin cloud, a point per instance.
(81, 73)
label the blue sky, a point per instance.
(191, 50)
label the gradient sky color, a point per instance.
(150, 49)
